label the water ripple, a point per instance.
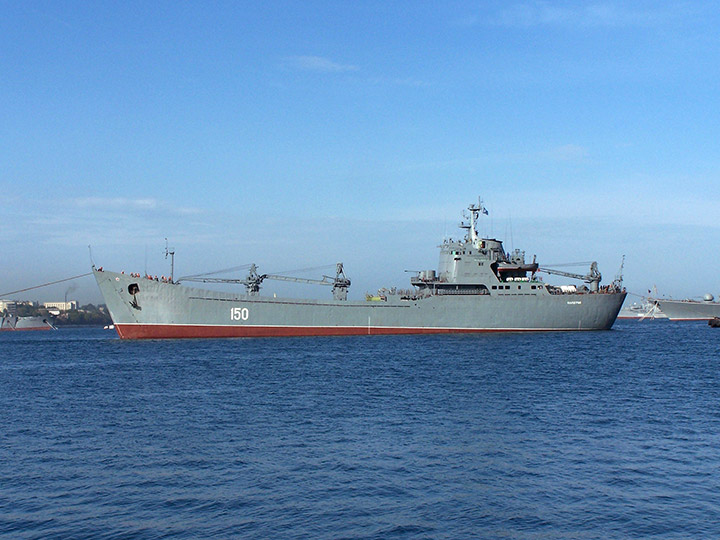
(588, 435)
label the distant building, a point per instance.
(62, 306)
(8, 305)
(12, 305)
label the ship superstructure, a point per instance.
(476, 265)
(477, 287)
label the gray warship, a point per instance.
(14, 323)
(477, 287)
(690, 310)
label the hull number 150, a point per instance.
(239, 314)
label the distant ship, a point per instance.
(13, 323)
(478, 287)
(690, 310)
(648, 309)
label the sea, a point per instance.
(577, 435)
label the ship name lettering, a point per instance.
(574, 302)
(239, 314)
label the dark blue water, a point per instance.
(559, 435)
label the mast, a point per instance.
(172, 260)
(475, 212)
(473, 231)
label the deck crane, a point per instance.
(617, 283)
(593, 277)
(253, 281)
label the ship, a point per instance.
(648, 309)
(477, 287)
(15, 323)
(690, 310)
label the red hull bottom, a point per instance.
(172, 331)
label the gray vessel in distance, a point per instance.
(477, 287)
(690, 310)
(10, 322)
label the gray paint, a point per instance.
(689, 309)
(477, 287)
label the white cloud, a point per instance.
(115, 202)
(400, 81)
(318, 64)
(607, 14)
(122, 203)
(568, 152)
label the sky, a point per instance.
(301, 134)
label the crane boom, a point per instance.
(323, 281)
(593, 277)
(253, 281)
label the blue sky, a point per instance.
(296, 134)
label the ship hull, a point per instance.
(25, 324)
(689, 310)
(166, 310)
(641, 312)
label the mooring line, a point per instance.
(44, 284)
